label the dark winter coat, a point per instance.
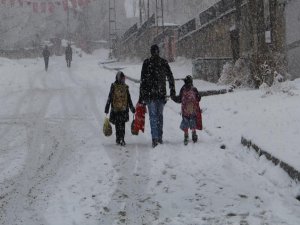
(178, 99)
(46, 53)
(68, 53)
(154, 73)
(122, 116)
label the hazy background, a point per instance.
(21, 27)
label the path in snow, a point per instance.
(64, 171)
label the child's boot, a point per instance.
(186, 138)
(122, 142)
(194, 136)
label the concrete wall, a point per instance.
(209, 68)
(213, 38)
(126, 47)
(145, 40)
(227, 32)
(211, 45)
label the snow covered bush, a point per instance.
(227, 76)
(279, 85)
(237, 74)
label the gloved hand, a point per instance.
(165, 100)
(132, 110)
(172, 93)
(141, 101)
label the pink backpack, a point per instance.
(189, 102)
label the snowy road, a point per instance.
(57, 168)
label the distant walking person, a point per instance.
(46, 55)
(68, 55)
(155, 72)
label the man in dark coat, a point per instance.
(68, 55)
(46, 55)
(155, 72)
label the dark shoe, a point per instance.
(160, 141)
(117, 141)
(122, 143)
(154, 143)
(186, 139)
(194, 137)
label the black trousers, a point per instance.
(68, 62)
(120, 130)
(46, 63)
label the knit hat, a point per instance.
(120, 76)
(188, 80)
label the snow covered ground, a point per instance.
(57, 168)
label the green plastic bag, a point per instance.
(107, 129)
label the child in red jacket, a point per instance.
(191, 114)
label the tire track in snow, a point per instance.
(130, 203)
(22, 183)
(37, 166)
(19, 105)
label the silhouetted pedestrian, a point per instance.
(68, 55)
(46, 55)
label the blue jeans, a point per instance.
(156, 108)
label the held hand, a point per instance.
(133, 110)
(172, 93)
(140, 101)
(165, 100)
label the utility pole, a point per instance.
(68, 23)
(162, 15)
(112, 26)
(141, 13)
(148, 9)
(142, 10)
(159, 13)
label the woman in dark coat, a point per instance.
(120, 101)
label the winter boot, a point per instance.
(117, 141)
(154, 143)
(194, 137)
(160, 141)
(122, 142)
(186, 139)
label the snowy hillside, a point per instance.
(57, 168)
